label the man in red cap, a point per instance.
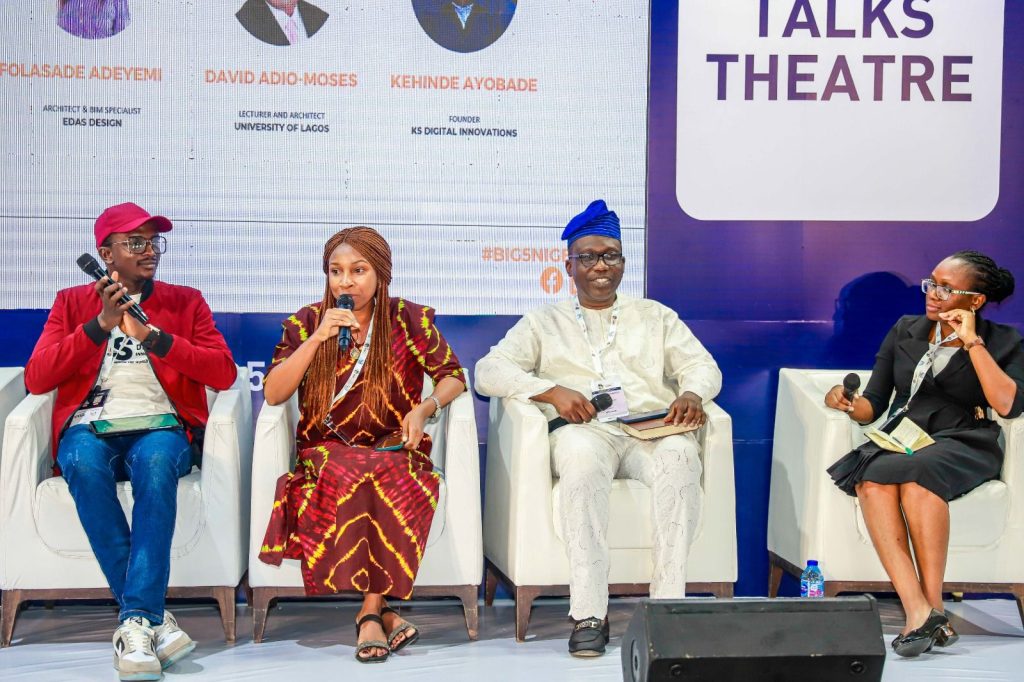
(111, 370)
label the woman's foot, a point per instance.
(400, 632)
(916, 618)
(934, 630)
(371, 643)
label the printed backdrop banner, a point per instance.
(800, 233)
(469, 141)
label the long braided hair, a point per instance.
(995, 282)
(376, 380)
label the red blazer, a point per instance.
(191, 356)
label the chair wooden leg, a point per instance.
(247, 589)
(524, 603)
(490, 586)
(468, 595)
(774, 579)
(724, 590)
(261, 598)
(1018, 594)
(11, 602)
(225, 597)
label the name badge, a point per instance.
(611, 387)
(91, 408)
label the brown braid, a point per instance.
(376, 380)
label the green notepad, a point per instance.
(127, 426)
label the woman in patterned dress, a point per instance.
(355, 515)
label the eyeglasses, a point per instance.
(943, 292)
(610, 258)
(136, 244)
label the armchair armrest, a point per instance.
(460, 461)
(1013, 470)
(12, 391)
(461, 458)
(719, 482)
(518, 483)
(227, 454)
(809, 437)
(273, 455)
(25, 463)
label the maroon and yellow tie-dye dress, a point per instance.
(358, 519)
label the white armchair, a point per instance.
(452, 564)
(810, 518)
(522, 542)
(44, 552)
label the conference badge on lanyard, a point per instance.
(92, 407)
(609, 385)
(353, 377)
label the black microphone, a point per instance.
(344, 333)
(601, 401)
(92, 268)
(850, 385)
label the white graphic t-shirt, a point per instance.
(127, 374)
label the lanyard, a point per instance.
(613, 328)
(923, 365)
(364, 353)
(928, 359)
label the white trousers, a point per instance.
(587, 460)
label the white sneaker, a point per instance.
(134, 654)
(172, 644)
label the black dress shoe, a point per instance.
(589, 637)
(936, 630)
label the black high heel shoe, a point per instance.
(946, 636)
(936, 630)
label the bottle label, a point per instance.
(811, 588)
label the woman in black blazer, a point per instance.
(946, 367)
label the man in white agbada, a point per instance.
(640, 351)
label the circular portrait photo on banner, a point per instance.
(281, 22)
(93, 19)
(464, 25)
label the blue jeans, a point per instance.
(136, 561)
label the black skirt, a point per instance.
(958, 462)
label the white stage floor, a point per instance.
(313, 641)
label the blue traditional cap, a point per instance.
(596, 220)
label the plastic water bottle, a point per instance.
(812, 582)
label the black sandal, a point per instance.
(589, 637)
(404, 626)
(372, 643)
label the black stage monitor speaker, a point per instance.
(760, 640)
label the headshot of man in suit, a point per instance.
(93, 19)
(464, 25)
(281, 22)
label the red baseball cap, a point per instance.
(125, 218)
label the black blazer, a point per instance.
(256, 17)
(947, 401)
